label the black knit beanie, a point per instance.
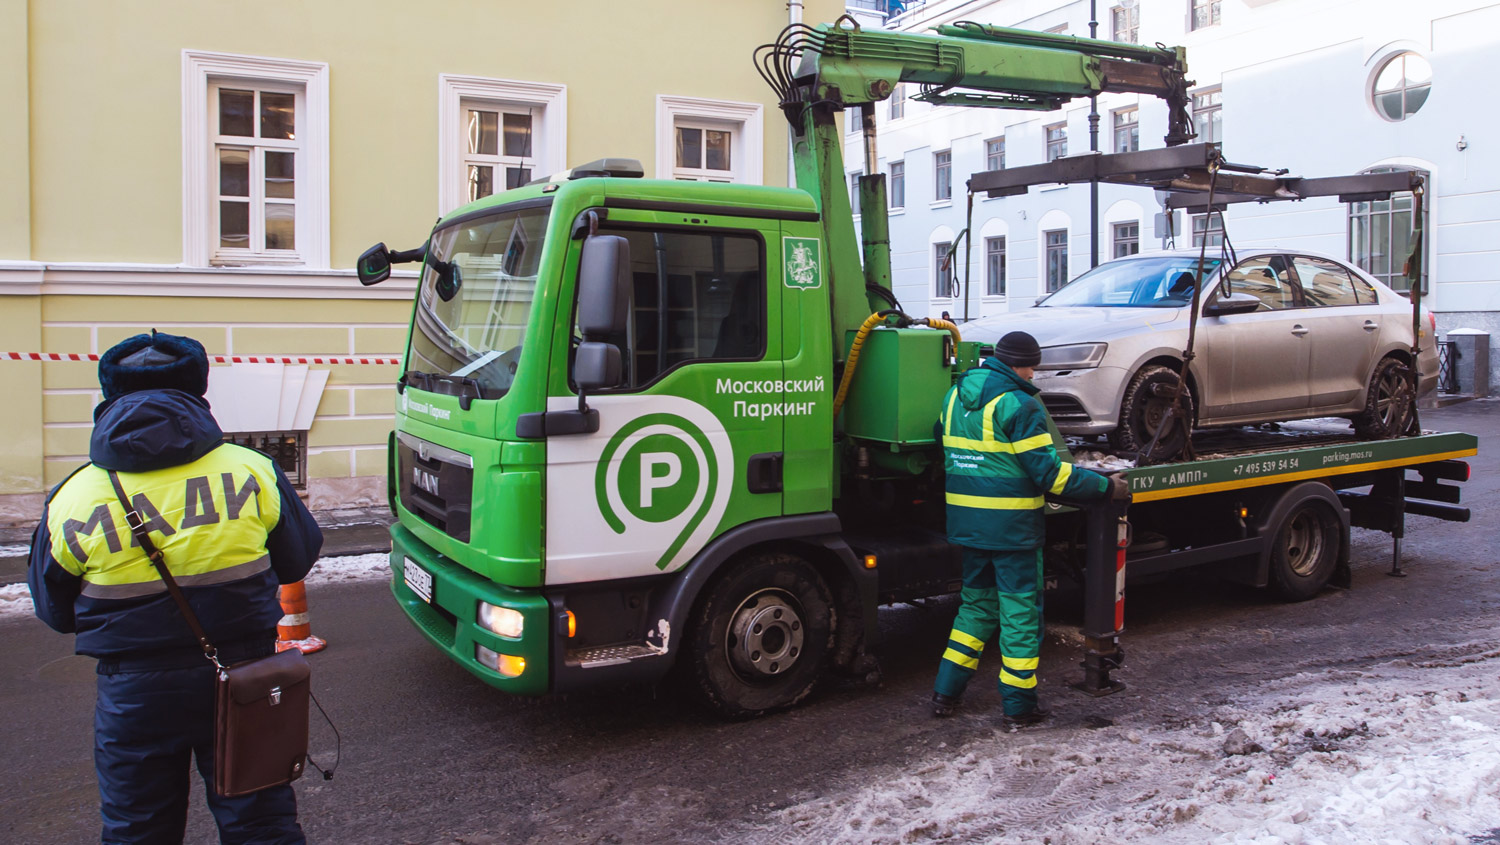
(1019, 349)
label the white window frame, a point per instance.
(854, 190)
(942, 177)
(742, 120)
(1119, 239)
(898, 178)
(1048, 142)
(994, 153)
(547, 103)
(989, 278)
(1134, 123)
(199, 183)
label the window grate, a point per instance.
(287, 448)
(1448, 354)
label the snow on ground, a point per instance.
(14, 550)
(15, 599)
(1402, 752)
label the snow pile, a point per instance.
(15, 600)
(1404, 752)
(14, 550)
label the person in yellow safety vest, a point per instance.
(1000, 463)
(230, 527)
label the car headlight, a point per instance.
(501, 620)
(1077, 356)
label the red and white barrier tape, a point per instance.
(217, 359)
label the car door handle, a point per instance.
(1298, 330)
(1372, 326)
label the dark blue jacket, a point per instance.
(227, 520)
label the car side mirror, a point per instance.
(596, 366)
(604, 287)
(374, 265)
(1235, 303)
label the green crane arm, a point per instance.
(839, 66)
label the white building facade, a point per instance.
(1320, 87)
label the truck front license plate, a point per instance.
(419, 581)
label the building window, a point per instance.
(1127, 237)
(1210, 226)
(1202, 14)
(854, 119)
(994, 266)
(898, 184)
(1125, 24)
(255, 161)
(1380, 236)
(1057, 141)
(942, 262)
(287, 448)
(1402, 86)
(1127, 130)
(708, 140)
(854, 190)
(496, 134)
(898, 101)
(1207, 108)
(994, 154)
(1057, 258)
(942, 175)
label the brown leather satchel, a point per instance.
(260, 705)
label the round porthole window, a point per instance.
(1402, 86)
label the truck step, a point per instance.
(610, 655)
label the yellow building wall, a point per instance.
(15, 142)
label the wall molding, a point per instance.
(31, 278)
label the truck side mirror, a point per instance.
(374, 265)
(604, 287)
(596, 366)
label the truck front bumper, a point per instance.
(450, 620)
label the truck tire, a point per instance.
(1305, 550)
(1388, 402)
(1142, 411)
(762, 635)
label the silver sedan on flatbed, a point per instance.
(1283, 335)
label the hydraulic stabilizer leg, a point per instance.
(1108, 536)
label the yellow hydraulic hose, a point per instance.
(859, 340)
(940, 323)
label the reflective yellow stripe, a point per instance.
(996, 503)
(1064, 472)
(1012, 681)
(964, 639)
(1021, 664)
(976, 445)
(948, 417)
(988, 423)
(1037, 442)
(960, 658)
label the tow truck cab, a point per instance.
(539, 532)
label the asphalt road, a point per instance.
(433, 755)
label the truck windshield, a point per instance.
(1164, 281)
(475, 298)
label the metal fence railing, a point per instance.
(1447, 366)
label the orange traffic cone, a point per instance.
(295, 629)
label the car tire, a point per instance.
(1142, 411)
(1305, 550)
(1388, 402)
(762, 636)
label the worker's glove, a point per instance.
(1119, 489)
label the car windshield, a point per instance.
(1164, 281)
(475, 298)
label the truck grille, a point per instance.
(436, 483)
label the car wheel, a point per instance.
(762, 636)
(1305, 551)
(1144, 409)
(1388, 402)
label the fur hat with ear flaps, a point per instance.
(154, 361)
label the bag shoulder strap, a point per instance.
(158, 560)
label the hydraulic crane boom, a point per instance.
(840, 66)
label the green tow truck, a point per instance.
(647, 423)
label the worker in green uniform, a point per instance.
(1000, 462)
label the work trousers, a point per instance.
(147, 724)
(1002, 592)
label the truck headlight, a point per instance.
(501, 620)
(1077, 356)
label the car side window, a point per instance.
(1364, 292)
(1324, 282)
(1265, 277)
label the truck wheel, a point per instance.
(1388, 402)
(1142, 411)
(1305, 550)
(762, 636)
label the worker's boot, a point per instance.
(944, 705)
(1013, 723)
